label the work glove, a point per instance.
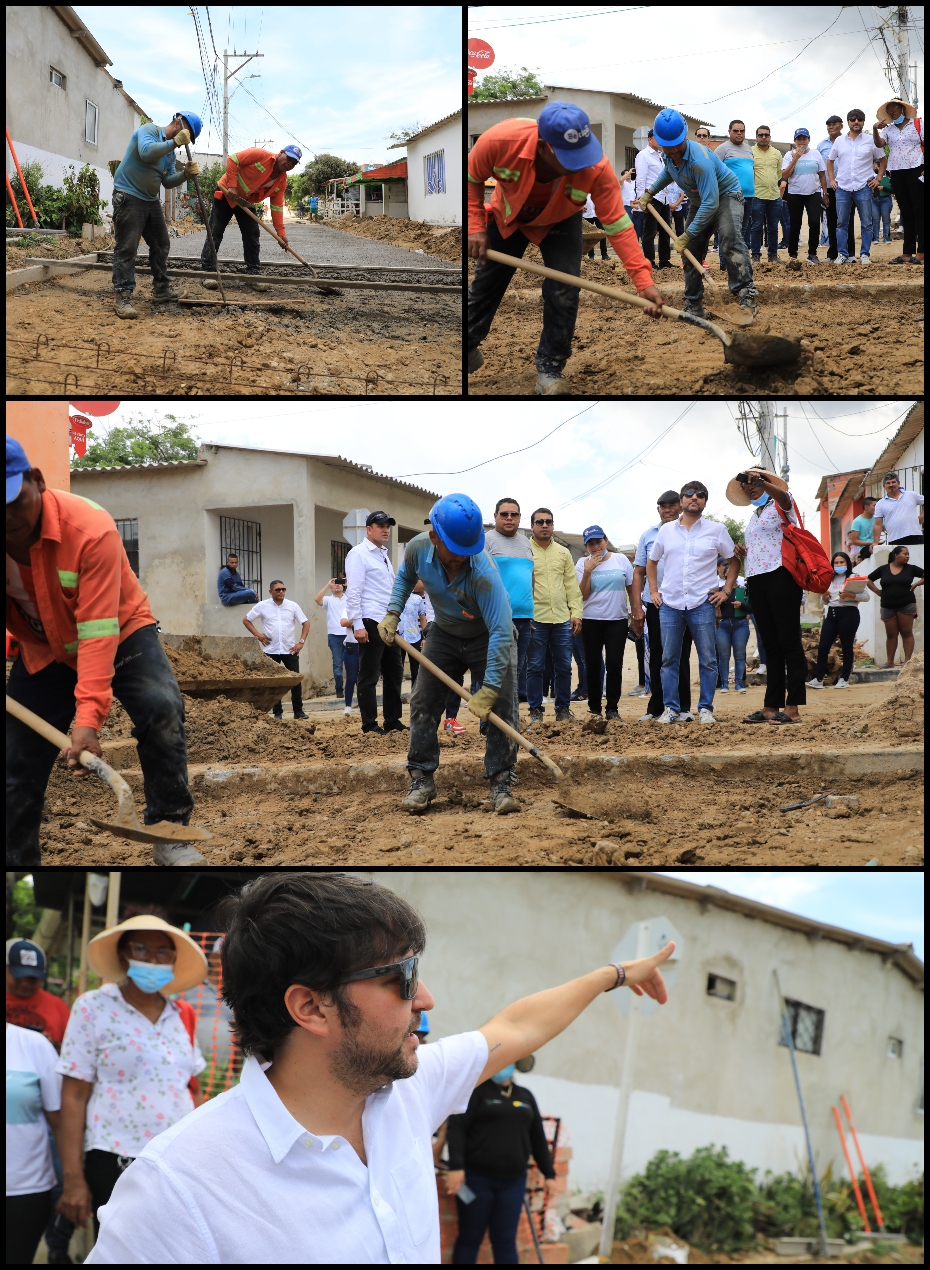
(182, 138)
(191, 169)
(482, 703)
(644, 200)
(681, 242)
(387, 627)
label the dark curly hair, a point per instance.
(308, 928)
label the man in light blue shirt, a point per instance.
(472, 630)
(669, 509)
(147, 166)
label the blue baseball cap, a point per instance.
(17, 465)
(593, 531)
(25, 959)
(423, 1029)
(802, 132)
(294, 151)
(567, 130)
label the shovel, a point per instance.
(492, 718)
(732, 312)
(739, 349)
(126, 824)
(287, 247)
(205, 217)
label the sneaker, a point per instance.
(740, 689)
(668, 716)
(548, 701)
(550, 386)
(176, 854)
(706, 716)
(723, 689)
(814, 683)
(638, 691)
(812, 260)
(685, 716)
(475, 360)
(646, 718)
(840, 260)
(577, 695)
(762, 671)
(564, 716)
(865, 260)
(421, 793)
(347, 710)
(454, 727)
(612, 714)
(501, 798)
(841, 683)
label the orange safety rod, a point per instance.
(852, 1171)
(865, 1171)
(9, 141)
(9, 190)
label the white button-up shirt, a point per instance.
(852, 161)
(691, 557)
(240, 1182)
(369, 582)
(649, 165)
(278, 623)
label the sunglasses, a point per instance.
(853, 118)
(693, 493)
(407, 969)
(508, 515)
(763, 134)
(278, 588)
(542, 522)
(142, 952)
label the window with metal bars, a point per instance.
(434, 168)
(806, 1027)
(337, 558)
(129, 532)
(244, 539)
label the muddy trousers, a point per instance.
(455, 656)
(144, 684)
(560, 249)
(135, 218)
(220, 216)
(727, 221)
(776, 607)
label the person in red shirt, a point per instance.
(545, 170)
(27, 1003)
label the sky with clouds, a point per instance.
(885, 905)
(339, 79)
(421, 441)
(708, 61)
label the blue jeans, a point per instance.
(765, 211)
(557, 637)
(496, 1209)
(732, 635)
(701, 622)
(637, 218)
(336, 645)
(785, 221)
(734, 253)
(238, 597)
(524, 628)
(881, 218)
(846, 200)
(350, 669)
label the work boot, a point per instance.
(564, 716)
(256, 283)
(550, 386)
(693, 310)
(501, 799)
(165, 294)
(475, 360)
(210, 284)
(176, 854)
(421, 793)
(536, 716)
(748, 301)
(122, 305)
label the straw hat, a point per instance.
(883, 116)
(190, 966)
(737, 495)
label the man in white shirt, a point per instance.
(278, 616)
(649, 165)
(850, 174)
(690, 595)
(899, 511)
(334, 606)
(369, 583)
(322, 1154)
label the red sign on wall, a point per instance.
(80, 426)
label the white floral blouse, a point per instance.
(764, 539)
(904, 148)
(139, 1070)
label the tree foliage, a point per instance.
(404, 134)
(139, 441)
(508, 82)
(76, 202)
(209, 179)
(733, 527)
(312, 180)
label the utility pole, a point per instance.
(783, 442)
(897, 62)
(765, 428)
(227, 95)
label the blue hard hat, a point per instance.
(424, 1025)
(193, 121)
(568, 131)
(17, 465)
(457, 520)
(294, 151)
(670, 128)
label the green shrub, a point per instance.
(209, 179)
(76, 202)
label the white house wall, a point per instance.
(436, 209)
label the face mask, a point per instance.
(148, 977)
(839, 568)
(503, 1077)
(900, 119)
(761, 501)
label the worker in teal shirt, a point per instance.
(148, 166)
(715, 203)
(472, 631)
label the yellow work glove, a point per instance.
(191, 169)
(482, 703)
(182, 138)
(645, 199)
(681, 242)
(387, 627)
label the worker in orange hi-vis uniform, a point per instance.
(545, 170)
(251, 175)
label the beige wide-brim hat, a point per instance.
(883, 116)
(738, 496)
(190, 968)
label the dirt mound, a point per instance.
(190, 662)
(903, 712)
(442, 241)
(224, 731)
(810, 639)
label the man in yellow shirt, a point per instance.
(766, 206)
(557, 606)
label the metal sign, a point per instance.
(353, 526)
(480, 55)
(659, 930)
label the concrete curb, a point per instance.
(41, 273)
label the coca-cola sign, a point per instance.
(480, 55)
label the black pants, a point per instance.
(414, 664)
(26, 1219)
(840, 624)
(656, 702)
(144, 683)
(909, 191)
(833, 250)
(135, 218)
(650, 229)
(377, 659)
(797, 205)
(597, 634)
(776, 605)
(291, 662)
(596, 224)
(220, 217)
(102, 1170)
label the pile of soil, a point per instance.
(810, 639)
(901, 716)
(17, 249)
(190, 662)
(224, 731)
(443, 241)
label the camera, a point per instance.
(747, 477)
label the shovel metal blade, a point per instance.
(760, 350)
(161, 831)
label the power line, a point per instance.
(834, 467)
(566, 17)
(797, 109)
(893, 424)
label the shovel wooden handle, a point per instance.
(287, 247)
(687, 254)
(492, 718)
(612, 293)
(45, 729)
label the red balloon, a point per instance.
(96, 408)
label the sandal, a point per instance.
(782, 718)
(756, 717)
(899, 260)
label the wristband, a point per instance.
(621, 976)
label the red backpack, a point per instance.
(189, 1019)
(803, 556)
